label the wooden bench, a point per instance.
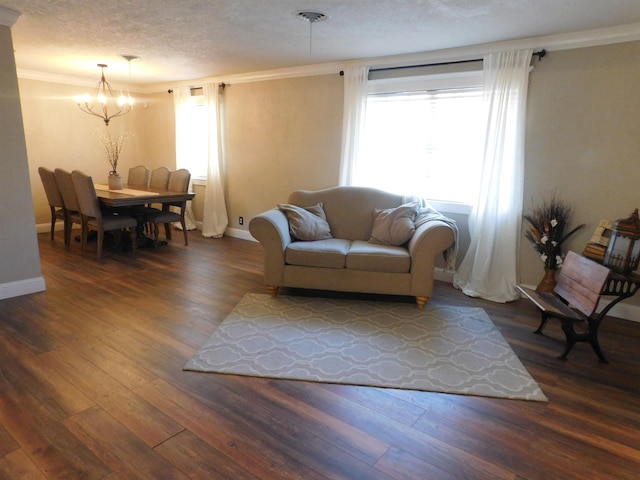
(574, 301)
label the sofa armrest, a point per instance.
(271, 229)
(430, 239)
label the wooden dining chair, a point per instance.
(139, 176)
(93, 218)
(159, 178)
(178, 182)
(54, 197)
(70, 200)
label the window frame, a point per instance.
(429, 82)
(197, 102)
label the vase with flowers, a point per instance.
(113, 148)
(548, 225)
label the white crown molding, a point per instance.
(8, 17)
(71, 80)
(302, 71)
(568, 41)
(55, 78)
(591, 38)
(588, 38)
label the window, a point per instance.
(424, 137)
(195, 135)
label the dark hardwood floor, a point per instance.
(92, 387)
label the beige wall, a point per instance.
(282, 135)
(59, 135)
(154, 122)
(19, 258)
(582, 140)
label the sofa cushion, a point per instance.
(306, 223)
(378, 258)
(349, 210)
(394, 226)
(330, 253)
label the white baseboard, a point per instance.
(22, 287)
(238, 233)
(621, 310)
(232, 232)
(442, 275)
(46, 227)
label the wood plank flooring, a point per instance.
(92, 387)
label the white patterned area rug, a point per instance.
(438, 349)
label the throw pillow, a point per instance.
(308, 223)
(394, 226)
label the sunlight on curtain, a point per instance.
(182, 102)
(489, 268)
(355, 102)
(215, 218)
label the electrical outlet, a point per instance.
(241, 220)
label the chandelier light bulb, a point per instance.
(105, 103)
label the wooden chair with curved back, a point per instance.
(70, 200)
(139, 176)
(159, 177)
(93, 218)
(178, 182)
(54, 197)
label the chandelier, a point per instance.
(105, 103)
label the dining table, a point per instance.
(131, 196)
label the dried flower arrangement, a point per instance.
(546, 232)
(112, 147)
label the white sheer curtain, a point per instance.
(489, 268)
(181, 103)
(355, 105)
(215, 218)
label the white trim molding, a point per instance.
(621, 310)
(22, 287)
(567, 41)
(238, 233)
(8, 17)
(46, 227)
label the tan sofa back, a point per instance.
(349, 210)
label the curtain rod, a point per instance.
(222, 86)
(539, 54)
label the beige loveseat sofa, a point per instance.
(354, 256)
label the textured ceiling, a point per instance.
(189, 39)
